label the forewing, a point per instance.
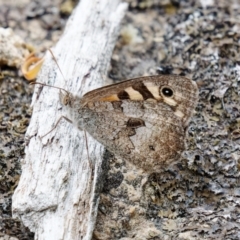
(182, 102)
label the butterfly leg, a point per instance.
(89, 160)
(67, 119)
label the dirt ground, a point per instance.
(199, 199)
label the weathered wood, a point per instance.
(57, 194)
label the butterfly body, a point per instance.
(142, 120)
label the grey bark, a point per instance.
(57, 194)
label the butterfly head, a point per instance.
(66, 98)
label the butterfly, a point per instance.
(142, 120)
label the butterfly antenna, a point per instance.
(46, 85)
(43, 84)
(55, 60)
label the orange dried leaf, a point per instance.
(31, 66)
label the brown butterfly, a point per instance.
(142, 120)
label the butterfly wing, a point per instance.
(142, 120)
